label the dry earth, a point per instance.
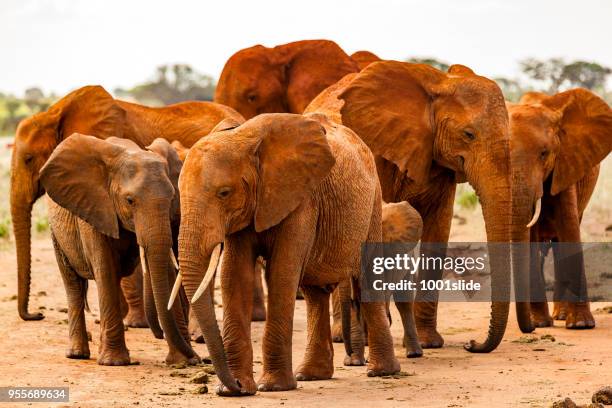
(523, 371)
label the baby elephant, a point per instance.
(302, 193)
(112, 205)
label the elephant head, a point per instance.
(422, 121)
(249, 177)
(555, 141)
(401, 223)
(364, 58)
(88, 110)
(281, 79)
(114, 185)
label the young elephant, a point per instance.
(111, 205)
(557, 143)
(302, 193)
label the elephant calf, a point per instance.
(303, 193)
(110, 201)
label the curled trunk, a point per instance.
(497, 209)
(193, 264)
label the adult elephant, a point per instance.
(430, 130)
(281, 79)
(89, 110)
(111, 206)
(557, 143)
(301, 192)
(364, 58)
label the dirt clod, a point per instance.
(201, 377)
(566, 403)
(603, 395)
(548, 337)
(63, 310)
(201, 390)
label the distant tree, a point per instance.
(34, 99)
(441, 65)
(171, 84)
(555, 75)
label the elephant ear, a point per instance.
(388, 105)
(166, 151)
(585, 135)
(226, 124)
(88, 110)
(76, 177)
(460, 70)
(294, 157)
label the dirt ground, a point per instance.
(523, 371)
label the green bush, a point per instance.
(5, 228)
(41, 224)
(468, 200)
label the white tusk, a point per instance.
(175, 289)
(210, 273)
(174, 262)
(536, 214)
(143, 261)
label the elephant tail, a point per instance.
(85, 289)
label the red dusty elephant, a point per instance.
(557, 143)
(284, 78)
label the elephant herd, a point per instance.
(292, 168)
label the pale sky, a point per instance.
(60, 45)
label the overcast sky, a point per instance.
(59, 45)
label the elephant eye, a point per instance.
(544, 154)
(129, 200)
(224, 192)
(469, 134)
(251, 98)
(28, 159)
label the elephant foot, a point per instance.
(247, 387)
(540, 316)
(110, 357)
(336, 331)
(259, 313)
(314, 372)
(429, 337)
(78, 353)
(579, 317)
(136, 318)
(354, 360)
(277, 381)
(413, 348)
(560, 311)
(377, 368)
(176, 357)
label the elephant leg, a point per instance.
(569, 263)
(259, 307)
(132, 287)
(237, 296)
(436, 229)
(318, 363)
(411, 338)
(381, 360)
(76, 292)
(337, 317)
(113, 350)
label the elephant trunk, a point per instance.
(194, 256)
(523, 204)
(157, 244)
(149, 306)
(496, 201)
(22, 200)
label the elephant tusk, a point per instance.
(536, 214)
(175, 289)
(174, 261)
(143, 261)
(210, 273)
